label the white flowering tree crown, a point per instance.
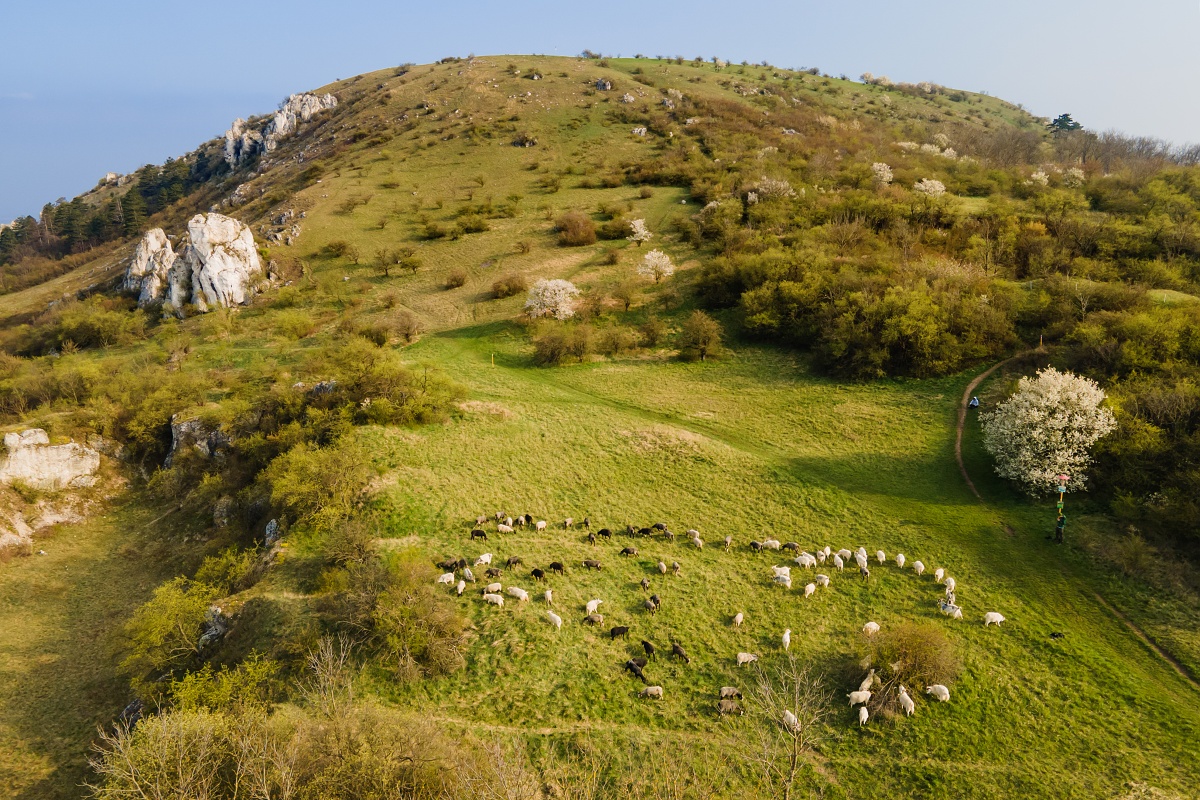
(1046, 429)
(929, 187)
(656, 264)
(552, 298)
(639, 232)
(882, 172)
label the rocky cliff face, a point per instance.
(242, 142)
(32, 460)
(218, 265)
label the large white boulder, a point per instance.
(32, 460)
(297, 108)
(222, 260)
(241, 143)
(148, 269)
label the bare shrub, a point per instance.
(575, 229)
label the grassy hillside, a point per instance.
(759, 442)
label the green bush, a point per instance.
(456, 278)
(228, 571)
(164, 633)
(575, 229)
(512, 284)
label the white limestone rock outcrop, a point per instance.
(148, 269)
(32, 460)
(223, 261)
(242, 142)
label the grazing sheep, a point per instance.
(557, 566)
(591, 564)
(486, 558)
(449, 565)
(555, 619)
(461, 587)
(650, 606)
(727, 706)
(771, 544)
(938, 574)
(730, 691)
(669, 536)
(906, 702)
(513, 561)
(692, 533)
(756, 546)
(587, 523)
(481, 519)
(992, 618)
(592, 605)
(619, 630)
(778, 570)
(655, 599)
(868, 681)
(659, 526)
(828, 551)
(493, 572)
(900, 560)
(492, 588)
(861, 560)
(949, 609)
(783, 580)
(652, 691)
(568, 522)
(644, 532)
(502, 528)
(508, 521)
(519, 522)
(844, 554)
(787, 638)
(837, 562)
(737, 619)
(635, 669)
(675, 568)
(518, 593)
(859, 697)
(950, 584)
(822, 580)
(810, 589)
(549, 597)
(604, 533)
(941, 693)
(863, 714)
(789, 721)
(479, 533)
(500, 516)
(746, 658)
(629, 551)
(880, 556)
(649, 648)
(677, 650)
(662, 568)
(538, 574)
(468, 575)
(871, 628)
(540, 525)
(592, 539)
(529, 519)
(494, 599)
(918, 568)
(446, 578)
(865, 573)
(696, 540)
(821, 556)
(792, 546)
(728, 542)
(645, 584)
(594, 619)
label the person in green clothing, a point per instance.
(1059, 527)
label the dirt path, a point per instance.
(1142, 636)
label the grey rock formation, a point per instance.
(32, 460)
(148, 270)
(242, 142)
(222, 259)
(192, 432)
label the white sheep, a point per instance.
(492, 588)
(652, 691)
(906, 702)
(540, 525)
(494, 599)
(938, 574)
(822, 580)
(805, 560)
(941, 693)
(662, 568)
(737, 619)
(555, 619)
(592, 605)
(787, 638)
(868, 681)
(860, 560)
(863, 714)
(781, 571)
(862, 551)
(504, 528)
(809, 589)
(844, 554)
(871, 628)
(549, 597)
(462, 587)
(746, 658)
(992, 618)
(447, 577)
(508, 521)
(918, 568)
(468, 575)
(837, 562)
(484, 560)
(828, 551)
(784, 580)
(692, 533)
(863, 696)
(900, 560)
(950, 584)
(696, 540)
(771, 544)
(880, 556)
(821, 556)
(950, 610)
(518, 593)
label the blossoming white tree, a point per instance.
(552, 298)
(929, 187)
(883, 173)
(1074, 178)
(656, 264)
(639, 232)
(1047, 428)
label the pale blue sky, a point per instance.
(88, 87)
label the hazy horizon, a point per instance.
(86, 89)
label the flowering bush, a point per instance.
(639, 233)
(552, 298)
(1046, 429)
(657, 265)
(772, 188)
(909, 146)
(929, 187)
(1074, 178)
(931, 149)
(883, 173)
(941, 140)
(1038, 178)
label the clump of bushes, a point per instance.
(509, 285)
(575, 229)
(456, 278)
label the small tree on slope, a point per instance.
(555, 298)
(1047, 428)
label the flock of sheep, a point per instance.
(494, 594)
